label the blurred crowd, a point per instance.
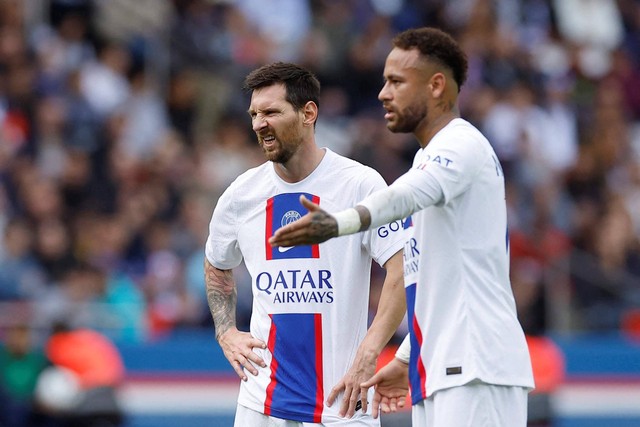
(121, 123)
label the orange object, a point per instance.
(631, 324)
(386, 355)
(89, 354)
(548, 364)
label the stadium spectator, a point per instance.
(95, 363)
(21, 362)
(21, 277)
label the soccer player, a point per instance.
(466, 355)
(308, 329)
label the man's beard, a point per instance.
(282, 154)
(408, 121)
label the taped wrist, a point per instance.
(348, 221)
(403, 353)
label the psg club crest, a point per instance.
(290, 217)
(282, 210)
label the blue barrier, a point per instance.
(182, 351)
(196, 351)
(194, 359)
(607, 355)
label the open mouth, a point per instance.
(268, 141)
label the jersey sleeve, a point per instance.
(384, 241)
(445, 170)
(453, 162)
(413, 191)
(222, 249)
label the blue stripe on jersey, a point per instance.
(284, 209)
(417, 372)
(296, 388)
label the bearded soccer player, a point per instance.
(466, 357)
(308, 345)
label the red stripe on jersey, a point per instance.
(317, 415)
(315, 249)
(269, 229)
(271, 343)
(421, 370)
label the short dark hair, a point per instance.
(301, 84)
(438, 46)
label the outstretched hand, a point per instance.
(391, 387)
(317, 226)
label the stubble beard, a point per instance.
(282, 153)
(287, 143)
(279, 156)
(409, 119)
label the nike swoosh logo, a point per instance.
(282, 249)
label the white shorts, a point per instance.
(473, 405)
(246, 417)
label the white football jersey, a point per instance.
(461, 310)
(310, 303)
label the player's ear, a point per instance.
(310, 111)
(437, 84)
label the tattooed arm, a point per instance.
(237, 346)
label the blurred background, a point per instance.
(122, 122)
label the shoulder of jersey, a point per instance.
(250, 176)
(349, 165)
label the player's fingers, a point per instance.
(392, 404)
(335, 391)
(287, 236)
(363, 399)
(253, 357)
(375, 405)
(246, 363)
(237, 367)
(371, 381)
(375, 411)
(255, 342)
(401, 401)
(349, 402)
(384, 406)
(309, 204)
(344, 404)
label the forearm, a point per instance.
(385, 206)
(391, 307)
(412, 192)
(221, 297)
(379, 208)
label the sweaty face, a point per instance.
(276, 124)
(403, 95)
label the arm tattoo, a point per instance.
(221, 296)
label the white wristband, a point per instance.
(348, 221)
(403, 353)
